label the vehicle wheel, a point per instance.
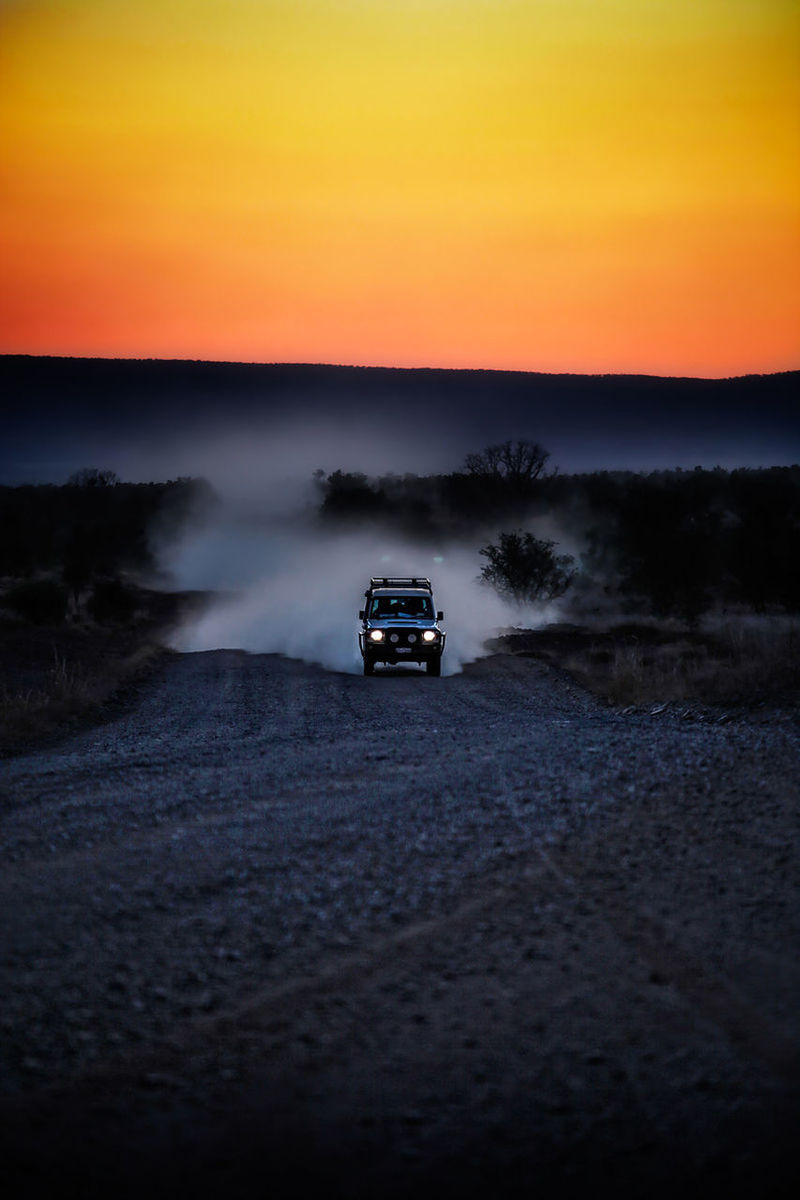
(369, 666)
(434, 666)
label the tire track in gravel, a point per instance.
(267, 1037)
(252, 871)
(272, 1009)
(712, 994)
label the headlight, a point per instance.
(429, 635)
(376, 635)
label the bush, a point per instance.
(40, 601)
(524, 568)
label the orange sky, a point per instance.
(553, 185)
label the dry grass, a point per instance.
(725, 662)
(69, 692)
(54, 677)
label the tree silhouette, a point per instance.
(516, 463)
(92, 477)
(524, 568)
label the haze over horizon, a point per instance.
(517, 185)
(152, 419)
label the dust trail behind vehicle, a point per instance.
(291, 588)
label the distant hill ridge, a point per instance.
(73, 376)
(41, 363)
(747, 419)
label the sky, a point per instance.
(539, 185)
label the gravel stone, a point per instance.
(377, 936)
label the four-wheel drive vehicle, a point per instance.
(400, 624)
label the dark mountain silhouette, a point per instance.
(587, 422)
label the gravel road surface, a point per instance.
(274, 926)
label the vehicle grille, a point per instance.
(403, 637)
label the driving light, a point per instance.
(429, 635)
(376, 635)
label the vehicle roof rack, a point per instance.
(392, 581)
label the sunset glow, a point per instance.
(546, 185)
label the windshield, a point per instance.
(401, 606)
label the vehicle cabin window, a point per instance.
(401, 606)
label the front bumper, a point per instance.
(401, 645)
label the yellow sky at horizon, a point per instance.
(551, 185)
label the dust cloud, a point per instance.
(286, 584)
(298, 593)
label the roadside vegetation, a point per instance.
(678, 586)
(682, 586)
(77, 627)
(727, 661)
(70, 689)
(525, 569)
(664, 544)
(93, 527)
(55, 675)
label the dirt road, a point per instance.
(477, 936)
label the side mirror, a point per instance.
(440, 616)
(361, 614)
